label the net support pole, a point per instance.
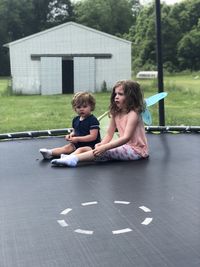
(159, 63)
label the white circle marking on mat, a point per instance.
(146, 221)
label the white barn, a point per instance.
(66, 59)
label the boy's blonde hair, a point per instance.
(83, 98)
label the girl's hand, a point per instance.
(99, 150)
(98, 144)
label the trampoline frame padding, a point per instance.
(64, 131)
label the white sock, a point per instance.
(46, 153)
(68, 160)
(63, 156)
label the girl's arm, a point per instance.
(110, 132)
(130, 128)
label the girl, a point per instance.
(126, 105)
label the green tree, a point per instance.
(111, 16)
(60, 11)
(186, 13)
(20, 18)
(142, 36)
(13, 25)
(178, 22)
(15, 17)
(171, 34)
(49, 13)
(188, 50)
(185, 42)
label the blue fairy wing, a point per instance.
(146, 116)
(155, 98)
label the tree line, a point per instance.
(123, 18)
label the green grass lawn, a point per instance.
(25, 113)
(182, 105)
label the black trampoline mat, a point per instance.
(144, 213)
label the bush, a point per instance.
(104, 88)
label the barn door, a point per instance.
(84, 74)
(51, 75)
(67, 76)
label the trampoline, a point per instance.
(143, 213)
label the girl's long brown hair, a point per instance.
(134, 99)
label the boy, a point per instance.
(86, 132)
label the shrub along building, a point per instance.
(68, 58)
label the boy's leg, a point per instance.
(50, 153)
(82, 150)
(78, 151)
(67, 149)
(46, 153)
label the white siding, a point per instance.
(84, 74)
(114, 69)
(51, 75)
(25, 73)
(70, 38)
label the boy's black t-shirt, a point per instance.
(83, 127)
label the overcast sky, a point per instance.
(146, 1)
(169, 2)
